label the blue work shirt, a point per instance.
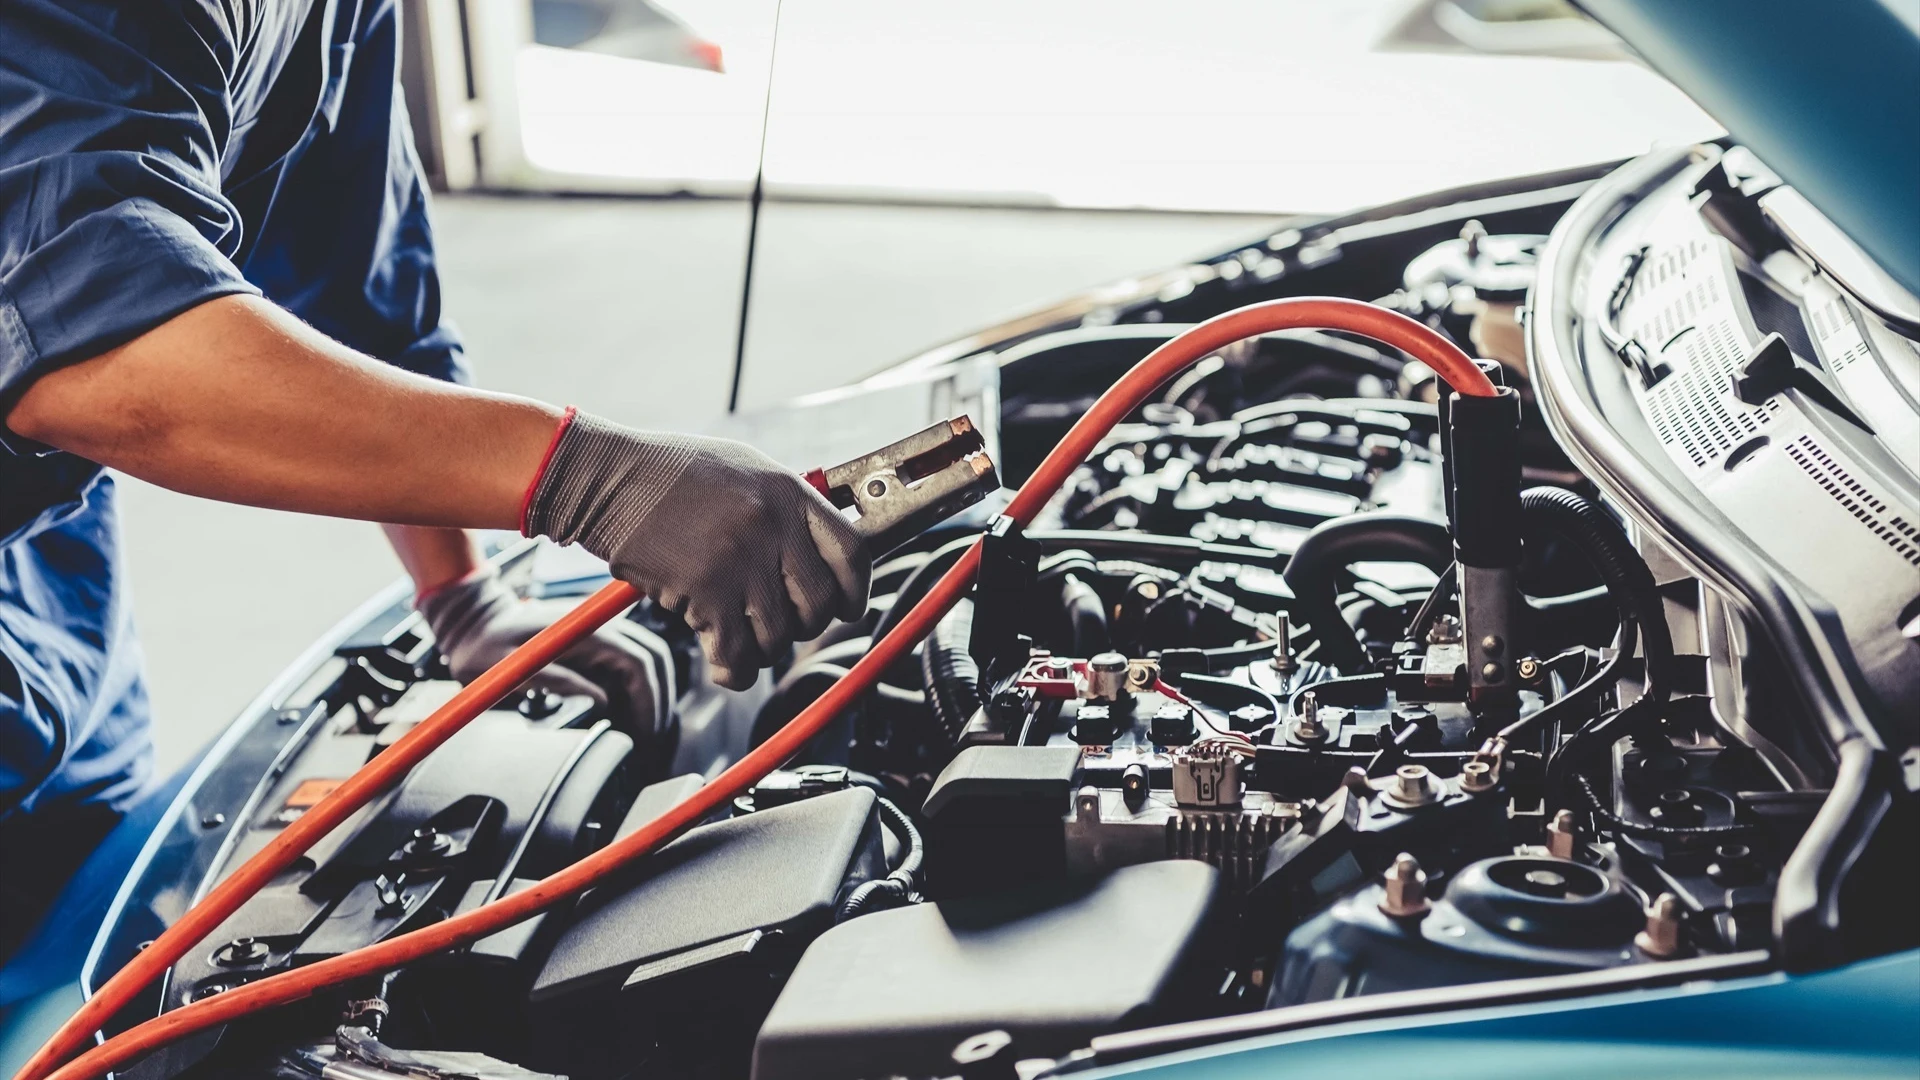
(154, 155)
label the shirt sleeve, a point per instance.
(112, 219)
(349, 244)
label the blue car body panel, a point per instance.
(40, 985)
(1827, 94)
(1860, 1021)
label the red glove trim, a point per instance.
(546, 459)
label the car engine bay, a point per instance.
(1316, 687)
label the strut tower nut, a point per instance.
(1563, 835)
(1661, 938)
(1406, 889)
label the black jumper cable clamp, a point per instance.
(1480, 456)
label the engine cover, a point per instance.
(922, 990)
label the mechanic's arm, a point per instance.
(237, 400)
(434, 557)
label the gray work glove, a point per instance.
(478, 620)
(750, 555)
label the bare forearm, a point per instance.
(239, 401)
(433, 557)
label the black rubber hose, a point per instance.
(915, 853)
(1336, 544)
(917, 585)
(949, 673)
(902, 883)
(808, 681)
(1581, 522)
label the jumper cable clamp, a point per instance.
(903, 488)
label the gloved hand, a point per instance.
(477, 620)
(749, 554)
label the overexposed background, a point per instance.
(929, 170)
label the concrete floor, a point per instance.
(629, 308)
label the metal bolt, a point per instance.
(876, 488)
(1406, 889)
(1444, 631)
(1476, 776)
(428, 840)
(241, 952)
(1059, 667)
(213, 821)
(1492, 644)
(1283, 646)
(1563, 833)
(1528, 668)
(1492, 671)
(1410, 783)
(1308, 727)
(1661, 938)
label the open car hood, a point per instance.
(1827, 94)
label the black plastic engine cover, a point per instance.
(895, 992)
(662, 970)
(996, 817)
(513, 799)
